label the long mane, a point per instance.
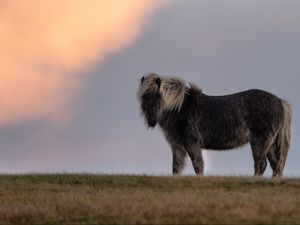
(172, 89)
(173, 92)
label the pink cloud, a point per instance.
(45, 43)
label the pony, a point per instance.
(192, 121)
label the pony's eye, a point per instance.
(146, 97)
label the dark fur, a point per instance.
(220, 123)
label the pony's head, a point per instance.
(150, 98)
(158, 94)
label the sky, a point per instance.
(70, 71)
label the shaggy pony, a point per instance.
(192, 121)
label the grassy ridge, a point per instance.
(126, 199)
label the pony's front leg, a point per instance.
(195, 154)
(179, 155)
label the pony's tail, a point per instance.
(283, 138)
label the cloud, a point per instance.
(44, 44)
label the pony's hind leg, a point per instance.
(259, 153)
(195, 154)
(179, 155)
(273, 159)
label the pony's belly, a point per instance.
(224, 144)
(223, 147)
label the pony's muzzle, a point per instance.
(152, 122)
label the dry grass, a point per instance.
(120, 199)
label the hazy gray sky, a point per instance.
(223, 46)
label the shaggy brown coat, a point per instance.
(192, 121)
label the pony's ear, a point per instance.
(142, 79)
(158, 82)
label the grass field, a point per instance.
(126, 199)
